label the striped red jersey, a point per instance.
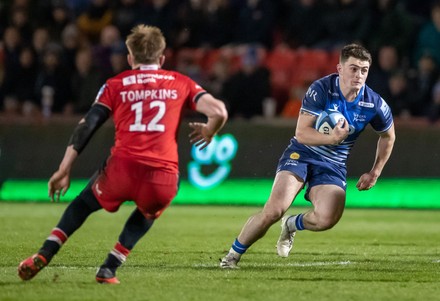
(147, 105)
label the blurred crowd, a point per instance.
(259, 56)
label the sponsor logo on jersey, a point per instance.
(129, 80)
(155, 75)
(359, 117)
(294, 156)
(146, 80)
(291, 162)
(366, 104)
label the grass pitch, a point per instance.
(370, 255)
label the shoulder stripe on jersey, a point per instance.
(200, 94)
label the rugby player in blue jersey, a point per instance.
(317, 161)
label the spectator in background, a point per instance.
(303, 28)
(217, 31)
(85, 81)
(110, 37)
(391, 25)
(400, 97)
(217, 75)
(118, 58)
(162, 14)
(205, 24)
(428, 38)
(246, 90)
(383, 67)
(190, 21)
(126, 14)
(26, 80)
(20, 20)
(60, 17)
(255, 24)
(71, 42)
(54, 78)
(40, 40)
(434, 109)
(345, 21)
(293, 105)
(93, 21)
(422, 81)
(77, 7)
(11, 52)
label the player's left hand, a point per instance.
(366, 181)
(200, 136)
(58, 185)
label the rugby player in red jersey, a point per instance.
(146, 104)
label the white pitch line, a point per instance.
(296, 264)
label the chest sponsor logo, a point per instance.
(366, 104)
(359, 117)
(129, 80)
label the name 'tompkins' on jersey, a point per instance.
(144, 103)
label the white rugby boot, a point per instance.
(285, 241)
(230, 262)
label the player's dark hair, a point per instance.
(357, 51)
(146, 43)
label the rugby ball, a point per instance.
(327, 120)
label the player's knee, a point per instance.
(326, 223)
(272, 216)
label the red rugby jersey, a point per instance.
(147, 105)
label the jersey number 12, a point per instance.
(153, 125)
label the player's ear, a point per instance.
(129, 60)
(161, 60)
(339, 68)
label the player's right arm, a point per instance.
(215, 110)
(59, 183)
(307, 134)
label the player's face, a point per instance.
(353, 73)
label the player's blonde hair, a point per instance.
(357, 51)
(146, 44)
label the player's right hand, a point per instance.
(341, 131)
(200, 136)
(58, 185)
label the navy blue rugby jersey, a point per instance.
(368, 108)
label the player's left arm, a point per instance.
(383, 151)
(215, 110)
(59, 183)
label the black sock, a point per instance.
(73, 218)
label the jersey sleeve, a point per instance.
(195, 92)
(383, 119)
(314, 99)
(104, 97)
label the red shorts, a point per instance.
(123, 179)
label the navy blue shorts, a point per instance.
(311, 167)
